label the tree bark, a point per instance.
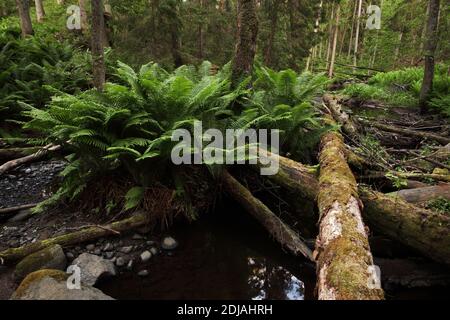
(245, 51)
(287, 237)
(83, 15)
(11, 255)
(334, 44)
(430, 48)
(40, 12)
(423, 195)
(98, 60)
(23, 7)
(344, 260)
(273, 14)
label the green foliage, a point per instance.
(129, 126)
(440, 205)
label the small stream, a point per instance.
(225, 255)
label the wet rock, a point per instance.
(52, 285)
(169, 243)
(145, 256)
(120, 262)
(52, 257)
(126, 250)
(143, 273)
(93, 268)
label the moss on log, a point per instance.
(14, 254)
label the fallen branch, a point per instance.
(408, 175)
(14, 254)
(423, 195)
(406, 132)
(287, 237)
(31, 158)
(11, 210)
(14, 153)
(343, 253)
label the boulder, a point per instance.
(52, 285)
(93, 268)
(52, 257)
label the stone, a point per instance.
(52, 257)
(120, 262)
(90, 247)
(109, 255)
(126, 250)
(154, 251)
(145, 256)
(52, 285)
(143, 273)
(137, 236)
(70, 255)
(108, 247)
(130, 265)
(28, 171)
(93, 268)
(98, 251)
(169, 243)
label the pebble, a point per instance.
(145, 256)
(130, 265)
(169, 243)
(143, 273)
(108, 247)
(28, 170)
(154, 251)
(109, 255)
(137, 236)
(90, 247)
(126, 250)
(70, 255)
(97, 251)
(120, 262)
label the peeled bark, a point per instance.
(40, 12)
(246, 40)
(98, 29)
(287, 237)
(344, 261)
(425, 231)
(11, 255)
(423, 195)
(23, 7)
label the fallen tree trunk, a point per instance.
(33, 157)
(423, 195)
(425, 231)
(341, 117)
(14, 254)
(344, 262)
(407, 132)
(408, 175)
(287, 237)
(14, 153)
(11, 210)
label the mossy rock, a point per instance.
(49, 258)
(37, 276)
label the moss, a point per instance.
(37, 276)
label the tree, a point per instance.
(83, 15)
(98, 59)
(40, 12)
(334, 42)
(23, 7)
(247, 24)
(430, 49)
(358, 25)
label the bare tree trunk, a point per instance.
(246, 41)
(330, 34)
(98, 59)
(23, 7)
(399, 43)
(430, 48)
(358, 25)
(335, 37)
(350, 43)
(83, 15)
(40, 12)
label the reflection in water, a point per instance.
(272, 282)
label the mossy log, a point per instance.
(344, 261)
(423, 195)
(425, 228)
(406, 132)
(339, 115)
(14, 153)
(287, 237)
(14, 254)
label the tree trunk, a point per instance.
(344, 259)
(335, 38)
(247, 27)
(11, 255)
(83, 15)
(358, 25)
(273, 14)
(40, 12)
(330, 34)
(350, 43)
(430, 48)
(23, 7)
(287, 237)
(423, 195)
(98, 60)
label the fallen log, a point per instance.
(339, 115)
(344, 261)
(14, 153)
(423, 195)
(14, 254)
(406, 132)
(11, 210)
(33, 157)
(287, 237)
(421, 229)
(408, 175)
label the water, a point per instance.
(225, 255)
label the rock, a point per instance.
(130, 265)
(143, 273)
(108, 247)
(120, 262)
(93, 268)
(21, 216)
(109, 255)
(150, 243)
(137, 236)
(52, 285)
(126, 250)
(145, 256)
(90, 247)
(98, 251)
(70, 255)
(169, 243)
(52, 257)
(28, 171)
(154, 251)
